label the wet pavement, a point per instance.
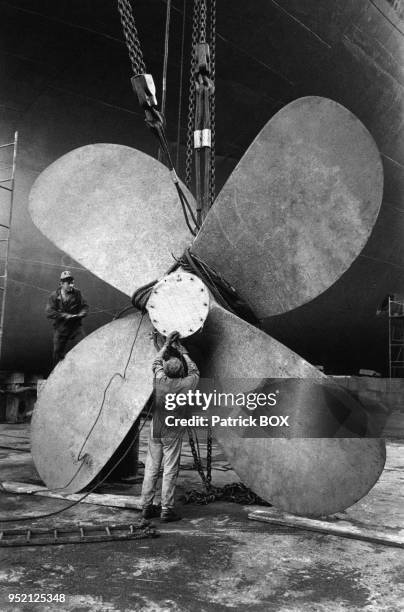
(214, 559)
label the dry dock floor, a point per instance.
(214, 559)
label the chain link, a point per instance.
(132, 37)
(209, 458)
(212, 102)
(198, 463)
(199, 26)
(235, 492)
(191, 98)
(199, 34)
(202, 21)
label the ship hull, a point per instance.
(65, 84)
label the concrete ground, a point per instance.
(214, 559)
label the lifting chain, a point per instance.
(201, 111)
(235, 492)
(144, 87)
(202, 21)
(212, 101)
(209, 458)
(131, 37)
(206, 478)
(191, 99)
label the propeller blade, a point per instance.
(309, 476)
(298, 208)
(98, 390)
(113, 209)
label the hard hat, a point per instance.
(173, 367)
(66, 275)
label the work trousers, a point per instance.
(64, 340)
(159, 449)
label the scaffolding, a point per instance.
(396, 337)
(8, 156)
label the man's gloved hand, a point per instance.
(172, 337)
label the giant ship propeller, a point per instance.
(293, 216)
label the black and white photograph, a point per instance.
(202, 305)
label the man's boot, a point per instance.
(168, 515)
(152, 511)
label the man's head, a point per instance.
(67, 281)
(173, 367)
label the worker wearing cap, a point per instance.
(174, 372)
(67, 308)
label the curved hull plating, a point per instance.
(66, 84)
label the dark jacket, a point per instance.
(58, 309)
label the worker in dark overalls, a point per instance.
(67, 308)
